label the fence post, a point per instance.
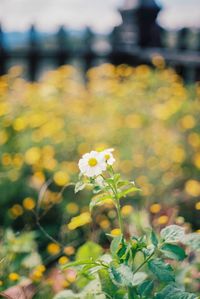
(63, 50)
(3, 54)
(88, 53)
(33, 54)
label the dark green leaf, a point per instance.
(172, 292)
(173, 251)
(164, 272)
(154, 239)
(145, 288)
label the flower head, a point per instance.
(108, 156)
(92, 164)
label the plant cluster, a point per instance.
(140, 267)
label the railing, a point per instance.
(180, 56)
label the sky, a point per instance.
(101, 15)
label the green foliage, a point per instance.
(173, 292)
(173, 233)
(89, 250)
(138, 266)
(172, 251)
(164, 272)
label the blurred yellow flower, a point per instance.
(115, 232)
(32, 155)
(61, 178)
(53, 248)
(163, 219)
(29, 203)
(197, 205)
(13, 276)
(63, 260)
(69, 250)
(155, 208)
(127, 210)
(192, 187)
(16, 210)
(82, 219)
(104, 224)
(72, 208)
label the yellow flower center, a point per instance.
(107, 157)
(92, 162)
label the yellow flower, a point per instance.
(80, 220)
(192, 187)
(28, 203)
(163, 219)
(104, 224)
(16, 210)
(69, 250)
(53, 248)
(197, 205)
(14, 276)
(155, 208)
(32, 155)
(61, 178)
(115, 232)
(41, 268)
(1, 283)
(127, 210)
(72, 208)
(63, 260)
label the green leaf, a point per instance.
(106, 283)
(145, 288)
(172, 292)
(122, 275)
(115, 245)
(173, 233)
(138, 278)
(173, 252)
(79, 263)
(154, 239)
(164, 272)
(131, 188)
(193, 240)
(79, 186)
(89, 250)
(98, 200)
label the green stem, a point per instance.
(119, 215)
(118, 209)
(143, 263)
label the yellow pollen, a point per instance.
(107, 156)
(92, 162)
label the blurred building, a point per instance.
(139, 26)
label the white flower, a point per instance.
(92, 164)
(108, 156)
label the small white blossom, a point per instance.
(108, 156)
(92, 164)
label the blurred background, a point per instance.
(83, 75)
(42, 36)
